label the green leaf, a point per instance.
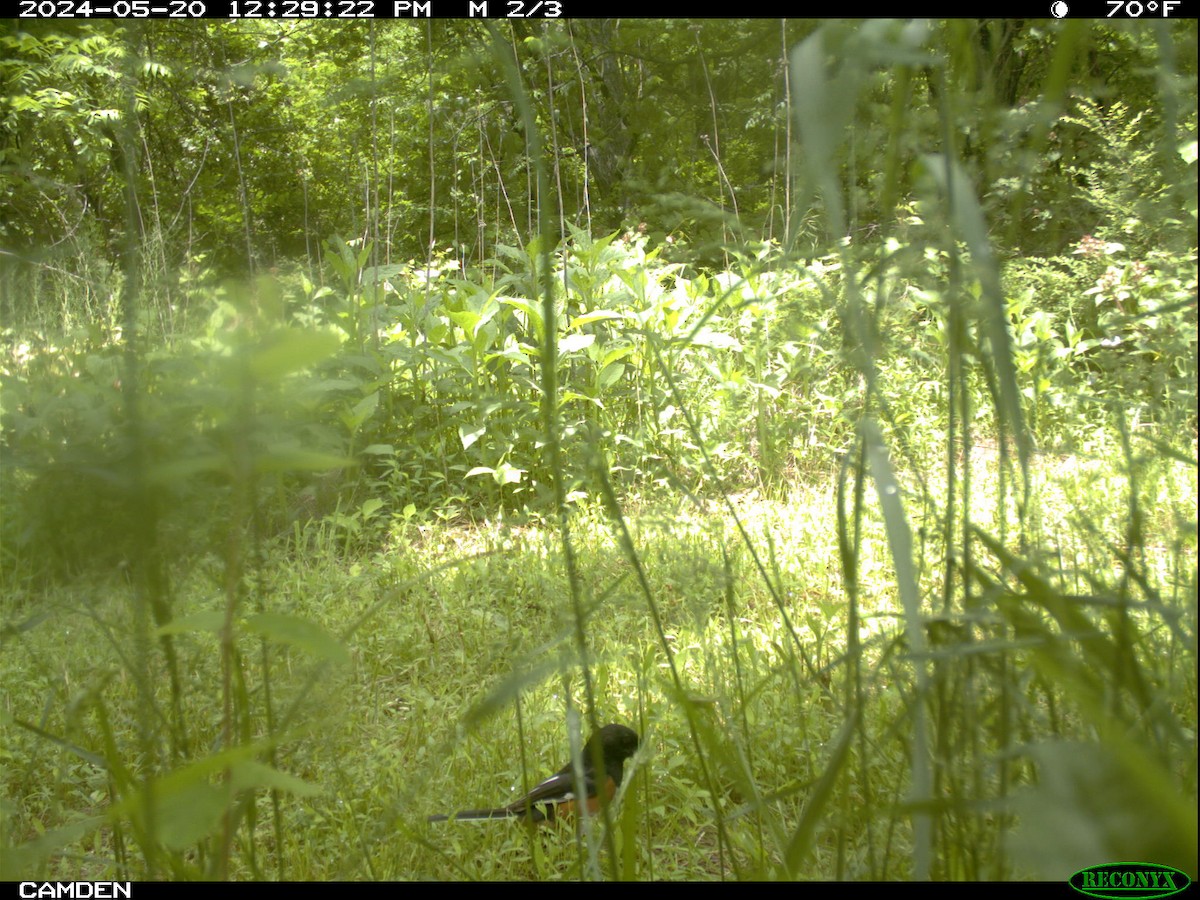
(298, 632)
(18, 862)
(532, 314)
(506, 474)
(1101, 800)
(596, 316)
(611, 356)
(569, 343)
(518, 681)
(185, 804)
(900, 543)
(972, 229)
(361, 411)
(469, 434)
(610, 375)
(207, 620)
(188, 813)
(466, 319)
(291, 350)
(252, 774)
(293, 459)
(182, 469)
(819, 799)
(188, 803)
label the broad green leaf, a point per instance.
(187, 804)
(1104, 800)
(300, 633)
(17, 862)
(189, 813)
(190, 802)
(293, 459)
(290, 351)
(469, 434)
(361, 411)
(532, 313)
(611, 356)
(570, 396)
(596, 316)
(251, 774)
(569, 343)
(610, 375)
(819, 799)
(205, 620)
(466, 319)
(182, 469)
(86, 755)
(506, 474)
(535, 669)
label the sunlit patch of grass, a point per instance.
(390, 738)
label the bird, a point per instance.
(558, 794)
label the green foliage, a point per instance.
(409, 137)
(1127, 189)
(63, 439)
(470, 625)
(653, 367)
(233, 399)
(889, 554)
(733, 379)
(1118, 339)
(64, 90)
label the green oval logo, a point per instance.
(1123, 881)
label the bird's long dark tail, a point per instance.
(534, 814)
(467, 814)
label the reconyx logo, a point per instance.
(1139, 881)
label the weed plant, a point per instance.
(889, 556)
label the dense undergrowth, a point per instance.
(346, 484)
(415, 394)
(889, 554)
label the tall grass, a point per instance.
(954, 656)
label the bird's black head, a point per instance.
(617, 742)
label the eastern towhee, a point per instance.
(557, 795)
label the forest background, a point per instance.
(385, 405)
